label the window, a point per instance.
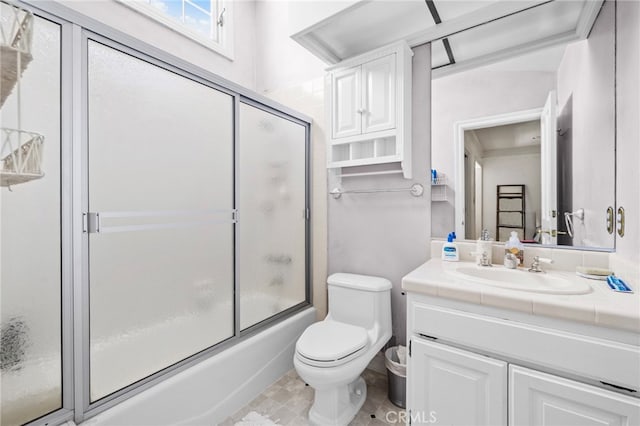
(204, 21)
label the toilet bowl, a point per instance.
(332, 354)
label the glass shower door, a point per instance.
(271, 214)
(161, 218)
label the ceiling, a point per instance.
(510, 137)
(464, 34)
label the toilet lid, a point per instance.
(331, 341)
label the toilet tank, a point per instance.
(360, 300)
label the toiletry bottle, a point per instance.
(515, 247)
(450, 249)
(484, 245)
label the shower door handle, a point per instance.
(91, 223)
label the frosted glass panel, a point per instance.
(161, 182)
(30, 305)
(271, 205)
(157, 297)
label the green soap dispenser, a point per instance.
(450, 249)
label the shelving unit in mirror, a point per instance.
(439, 189)
(510, 211)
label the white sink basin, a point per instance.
(522, 280)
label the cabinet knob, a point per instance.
(362, 111)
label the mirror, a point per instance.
(523, 135)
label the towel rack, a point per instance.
(416, 190)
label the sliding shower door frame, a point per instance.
(76, 31)
(307, 212)
(85, 408)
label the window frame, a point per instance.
(223, 45)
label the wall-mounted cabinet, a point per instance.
(369, 109)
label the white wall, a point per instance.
(587, 72)
(628, 128)
(280, 61)
(473, 94)
(511, 170)
(240, 70)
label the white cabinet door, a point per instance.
(540, 399)
(379, 94)
(346, 98)
(450, 386)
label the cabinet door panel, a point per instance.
(379, 94)
(541, 399)
(346, 98)
(456, 387)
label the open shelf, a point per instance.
(16, 29)
(20, 156)
(14, 62)
(373, 151)
(20, 150)
(510, 211)
(439, 190)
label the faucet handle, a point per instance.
(537, 260)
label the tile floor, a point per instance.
(288, 400)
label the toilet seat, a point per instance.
(331, 343)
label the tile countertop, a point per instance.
(602, 307)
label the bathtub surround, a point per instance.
(387, 234)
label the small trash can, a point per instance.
(395, 359)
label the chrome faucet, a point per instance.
(535, 266)
(483, 260)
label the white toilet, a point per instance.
(331, 354)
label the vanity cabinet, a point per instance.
(540, 399)
(485, 366)
(457, 387)
(369, 109)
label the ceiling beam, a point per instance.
(481, 16)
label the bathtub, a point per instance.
(217, 387)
